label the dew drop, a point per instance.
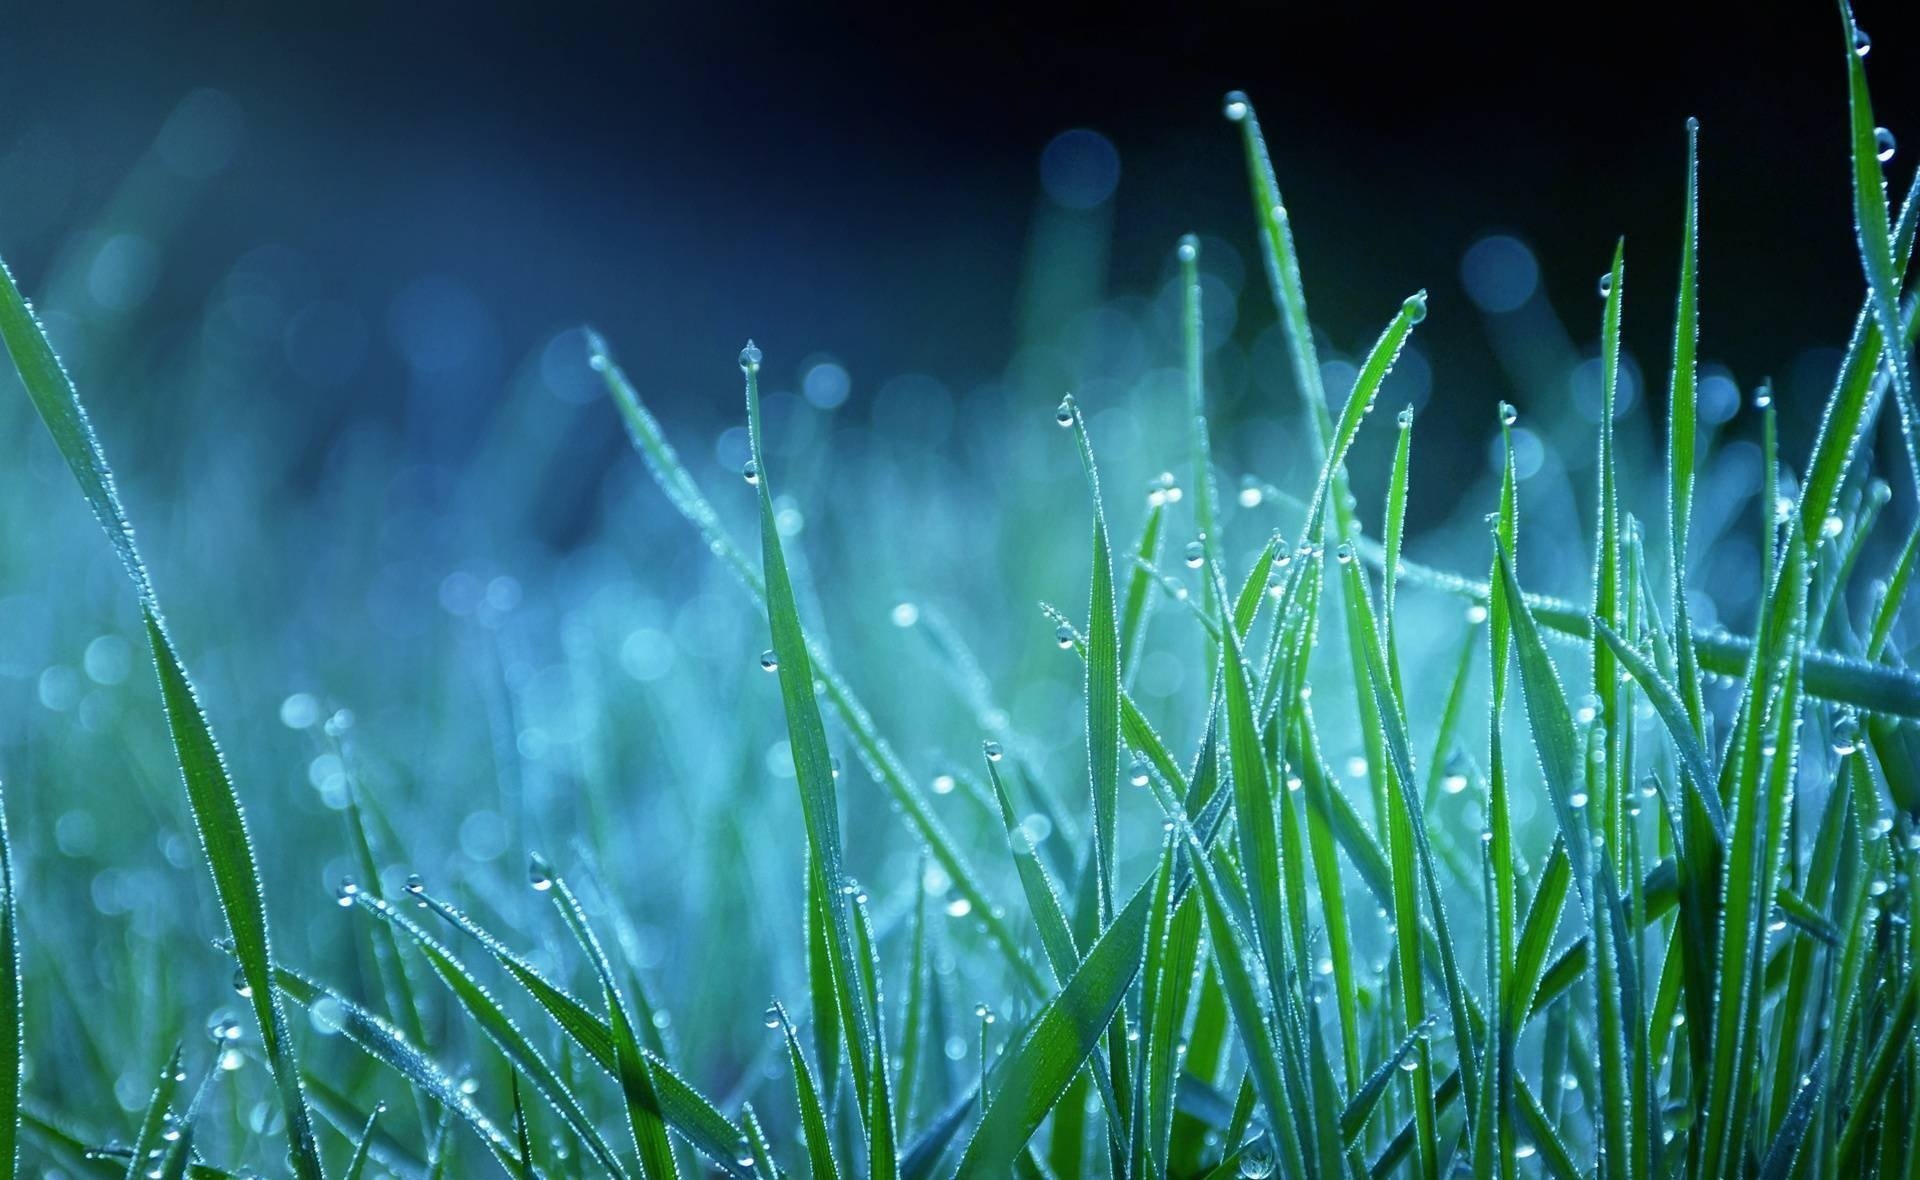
(1189, 248)
(346, 891)
(743, 1153)
(1882, 144)
(240, 985)
(1236, 106)
(993, 751)
(1139, 773)
(1762, 397)
(539, 873)
(943, 784)
(1063, 413)
(768, 661)
(1508, 415)
(1415, 308)
(1344, 553)
(1063, 635)
(1846, 734)
(1406, 417)
(1256, 1158)
(416, 884)
(1862, 44)
(905, 614)
(1196, 554)
(750, 471)
(750, 357)
(1606, 284)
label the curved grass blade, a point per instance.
(687, 1111)
(492, 1020)
(1058, 1041)
(387, 1045)
(217, 813)
(632, 1066)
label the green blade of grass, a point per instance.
(215, 806)
(1606, 785)
(1413, 865)
(1825, 675)
(1134, 612)
(13, 1036)
(1843, 421)
(1895, 1040)
(147, 1139)
(1673, 714)
(1682, 430)
(883, 1160)
(1102, 675)
(812, 761)
(1512, 963)
(822, 982)
(633, 1069)
(486, 1013)
(520, 1140)
(813, 1116)
(387, 1045)
(1058, 1041)
(1874, 234)
(1233, 950)
(683, 492)
(1043, 899)
(1757, 822)
(687, 1111)
(362, 1148)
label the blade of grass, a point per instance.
(686, 1110)
(683, 492)
(147, 1139)
(1058, 1040)
(216, 809)
(1874, 234)
(485, 1012)
(813, 1117)
(632, 1067)
(387, 1045)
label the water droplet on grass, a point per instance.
(1236, 107)
(1883, 144)
(768, 661)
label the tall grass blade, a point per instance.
(633, 1069)
(216, 807)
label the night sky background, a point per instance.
(862, 179)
